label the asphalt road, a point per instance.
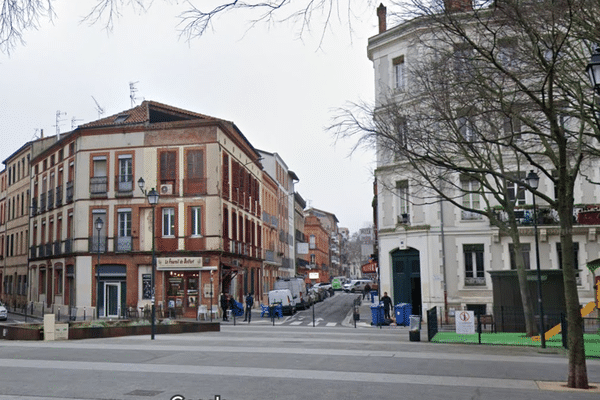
(262, 362)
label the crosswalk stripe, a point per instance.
(296, 323)
(331, 324)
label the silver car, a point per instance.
(3, 313)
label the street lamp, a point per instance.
(593, 70)
(533, 180)
(99, 223)
(211, 295)
(153, 200)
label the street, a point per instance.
(248, 362)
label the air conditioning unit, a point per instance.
(166, 188)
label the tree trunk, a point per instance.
(576, 351)
(525, 298)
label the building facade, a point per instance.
(94, 231)
(434, 254)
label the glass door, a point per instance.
(112, 299)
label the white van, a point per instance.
(283, 297)
(298, 289)
(357, 285)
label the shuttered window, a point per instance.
(195, 164)
(168, 165)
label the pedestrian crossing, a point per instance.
(305, 322)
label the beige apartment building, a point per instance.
(91, 238)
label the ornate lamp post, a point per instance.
(153, 200)
(533, 180)
(593, 70)
(99, 224)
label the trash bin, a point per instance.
(377, 315)
(373, 294)
(414, 333)
(403, 312)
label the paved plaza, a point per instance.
(252, 362)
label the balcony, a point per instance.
(68, 246)
(97, 244)
(34, 206)
(59, 195)
(194, 186)
(69, 192)
(57, 248)
(41, 251)
(42, 203)
(33, 252)
(525, 216)
(98, 185)
(124, 244)
(48, 250)
(475, 281)
(50, 199)
(124, 184)
(269, 255)
(470, 216)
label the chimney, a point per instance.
(453, 6)
(381, 14)
(42, 133)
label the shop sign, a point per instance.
(313, 275)
(370, 268)
(178, 263)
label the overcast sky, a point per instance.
(280, 91)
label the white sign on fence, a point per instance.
(465, 322)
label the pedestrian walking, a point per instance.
(249, 304)
(232, 306)
(224, 305)
(387, 305)
(366, 290)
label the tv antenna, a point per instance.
(98, 108)
(58, 121)
(132, 90)
(73, 124)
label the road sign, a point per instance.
(465, 322)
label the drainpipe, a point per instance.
(444, 260)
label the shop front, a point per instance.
(183, 279)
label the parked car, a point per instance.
(3, 312)
(298, 289)
(357, 285)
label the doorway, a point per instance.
(112, 300)
(406, 278)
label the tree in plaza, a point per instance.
(495, 89)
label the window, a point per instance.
(168, 165)
(516, 193)
(525, 249)
(312, 242)
(402, 132)
(471, 198)
(196, 221)
(403, 200)
(124, 230)
(399, 73)
(99, 181)
(463, 62)
(313, 259)
(194, 178)
(474, 273)
(168, 222)
(466, 127)
(125, 173)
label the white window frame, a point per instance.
(168, 222)
(196, 221)
(399, 73)
(124, 222)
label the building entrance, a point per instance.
(406, 278)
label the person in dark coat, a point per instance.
(366, 290)
(387, 305)
(249, 304)
(224, 305)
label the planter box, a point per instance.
(115, 331)
(10, 332)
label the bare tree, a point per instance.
(197, 18)
(497, 89)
